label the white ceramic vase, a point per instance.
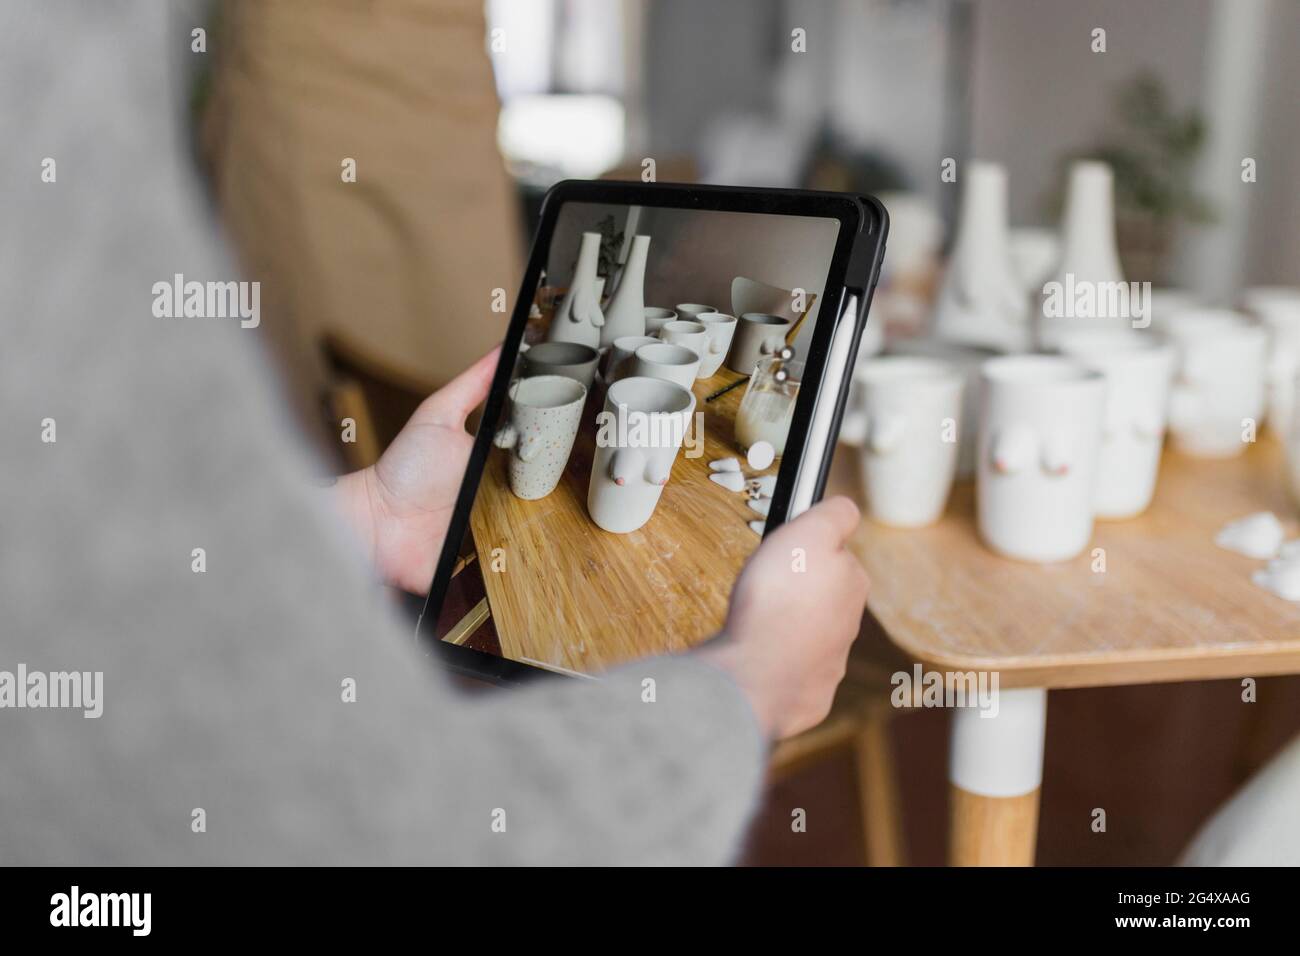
(981, 301)
(625, 313)
(638, 437)
(578, 318)
(1089, 262)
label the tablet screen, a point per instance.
(634, 462)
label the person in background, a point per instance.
(351, 152)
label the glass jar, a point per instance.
(767, 409)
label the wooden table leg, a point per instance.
(882, 819)
(995, 772)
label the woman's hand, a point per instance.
(795, 612)
(402, 505)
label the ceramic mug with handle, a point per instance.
(544, 414)
(721, 329)
(910, 421)
(757, 335)
(1138, 371)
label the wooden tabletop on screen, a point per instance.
(1171, 605)
(580, 598)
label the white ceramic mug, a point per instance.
(1138, 371)
(1278, 309)
(1218, 394)
(688, 311)
(655, 318)
(638, 437)
(911, 424)
(720, 328)
(1039, 442)
(672, 363)
(543, 420)
(690, 334)
(1165, 303)
(570, 359)
(969, 359)
(758, 335)
(619, 364)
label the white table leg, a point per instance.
(995, 773)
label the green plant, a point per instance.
(1152, 150)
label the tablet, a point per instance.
(669, 391)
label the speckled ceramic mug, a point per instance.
(544, 415)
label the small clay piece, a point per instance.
(1257, 535)
(731, 480)
(761, 454)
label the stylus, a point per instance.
(820, 441)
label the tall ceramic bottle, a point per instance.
(1079, 293)
(625, 313)
(578, 318)
(981, 301)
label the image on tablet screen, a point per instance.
(633, 464)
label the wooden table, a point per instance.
(608, 598)
(1169, 605)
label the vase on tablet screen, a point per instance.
(625, 312)
(638, 436)
(578, 317)
(981, 301)
(1138, 371)
(544, 415)
(1039, 439)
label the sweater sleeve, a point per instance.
(260, 703)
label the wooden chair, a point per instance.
(377, 397)
(859, 720)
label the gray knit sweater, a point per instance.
(223, 689)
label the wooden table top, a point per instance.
(1171, 605)
(576, 597)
